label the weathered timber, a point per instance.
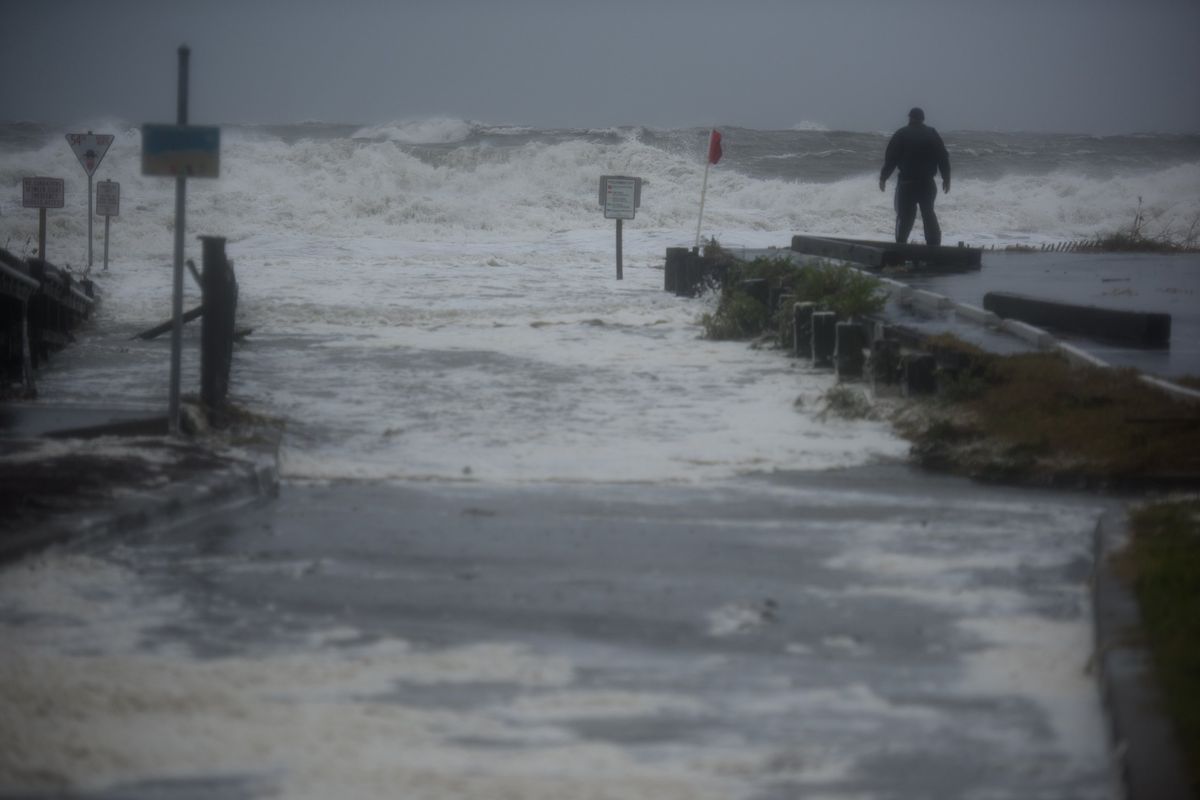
(676, 256)
(1151, 330)
(217, 330)
(802, 314)
(688, 273)
(161, 328)
(848, 350)
(41, 305)
(885, 362)
(824, 337)
(877, 255)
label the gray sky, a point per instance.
(1091, 66)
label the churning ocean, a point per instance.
(436, 302)
(436, 299)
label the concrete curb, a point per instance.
(250, 476)
(1146, 752)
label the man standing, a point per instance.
(920, 154)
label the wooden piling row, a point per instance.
(854, 349)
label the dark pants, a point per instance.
(910, 195)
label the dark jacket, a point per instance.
(919, 153)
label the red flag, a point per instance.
(714, 147)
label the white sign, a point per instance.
(42, 192)
(620, 195)
(90, 148)
(108, 199)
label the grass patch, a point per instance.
(741, 315)
(1163, 563)
(1138, 239)
(1034, 417)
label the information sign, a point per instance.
(42, 192)
(108, 199)
(620, 195)
(181, 151)
(90, 148)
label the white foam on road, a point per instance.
(87, 702)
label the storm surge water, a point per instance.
(436, 299)
(609, 609)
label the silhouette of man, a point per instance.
(918, 151)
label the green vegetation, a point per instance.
(1035, 417)
(1163, 565)
(740, 314)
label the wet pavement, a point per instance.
(864, 633)
(1129, 282)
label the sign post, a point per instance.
(180, 151)
(42, 193)
(621, 196)
(108, 205)
(90, 149)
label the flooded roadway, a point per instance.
(866, 633)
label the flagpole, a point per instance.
(703, 192)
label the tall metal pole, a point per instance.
(703, 192)
(91, 199)
(177, 295)
(619, 275)
(42, 234)
(107, 220)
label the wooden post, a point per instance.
(848, 350)
(885, 361)
(824, 337)
(802, 328)
(676, 258)
(216, 332)
(42, 234)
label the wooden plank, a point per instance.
(929, 255)
(160, 329)
(859, 253)
(1136, 328)
(878, 254)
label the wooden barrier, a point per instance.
(41, 305)
(876, 255)
(1137, 328)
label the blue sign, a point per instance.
(181, 151)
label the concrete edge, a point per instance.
(1146, 751)
(1037, 337)
(1173, 389)
(1079, 356)
(249, 480)
(976, 314)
